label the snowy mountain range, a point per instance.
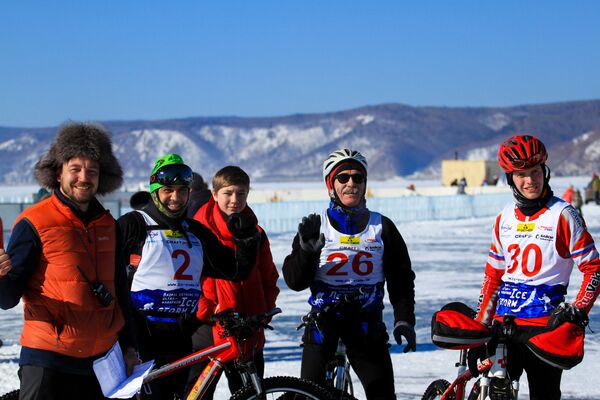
(397, 139)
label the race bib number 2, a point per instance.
(180, 274)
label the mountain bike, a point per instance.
(236, 329)
(494, 382)
(337, 371)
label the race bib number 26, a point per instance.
(341, 263)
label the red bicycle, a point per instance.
(494, 382)
(236, 329)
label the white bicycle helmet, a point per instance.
(339, 156)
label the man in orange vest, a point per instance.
(63, 261)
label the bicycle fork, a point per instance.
(498, 373)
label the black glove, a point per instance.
(475, 355)
(402, 328)
(188, 323)
(242, 226)
(567, 312)
(311, 240)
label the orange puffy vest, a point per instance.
(61, 313)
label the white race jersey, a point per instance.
(167, 279)
(536, 275)
(351, 259)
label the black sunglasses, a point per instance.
(356, 178)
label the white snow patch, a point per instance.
(496, 121)
(592, 151)
(365, 119)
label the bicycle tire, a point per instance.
(285, 388)
(14, 395)
(436, 389)
(339, 395)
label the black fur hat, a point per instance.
(87, 140)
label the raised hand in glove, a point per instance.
(402, 328)
(475, 355)
(311, 240)
(567, 312)
(242, 226)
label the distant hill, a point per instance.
(397, 139)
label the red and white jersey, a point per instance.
(351, 259)
(530, 262)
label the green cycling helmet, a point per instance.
(170, 170)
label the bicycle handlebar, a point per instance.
(343, 300)
(238, 326)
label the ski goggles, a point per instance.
(171, 175)
(356, 178)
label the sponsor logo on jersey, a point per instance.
(350, 240)
(540, 236)
(173, 234)
(525, 227)
(522, 235)
(505, 227)
(545, 228)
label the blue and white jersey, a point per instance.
(350, 262)
(167, 279)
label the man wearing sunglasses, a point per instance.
(537, 240)
(350, 252)
(168, 253)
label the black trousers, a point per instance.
(165, 343)
(543, 378)
(39, 383)
(203, 338)
(367, 350)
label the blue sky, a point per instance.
(108, 60)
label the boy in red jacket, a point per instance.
(254, 295)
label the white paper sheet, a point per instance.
(114, 382)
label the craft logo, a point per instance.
(350, 240)
(525, 227)
(173, 234)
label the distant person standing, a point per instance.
(596, 187)
(199, 194)
(568, 194)
(461, 185)
(577, 201)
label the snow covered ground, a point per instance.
(448, 258)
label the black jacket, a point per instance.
(299, 269)
(219, 261)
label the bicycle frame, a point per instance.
(218, 355)
(493, 367)
(338, 371)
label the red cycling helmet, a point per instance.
(521, 152)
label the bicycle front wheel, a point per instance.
(436, 389)
(284, 388)
(14, 395)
